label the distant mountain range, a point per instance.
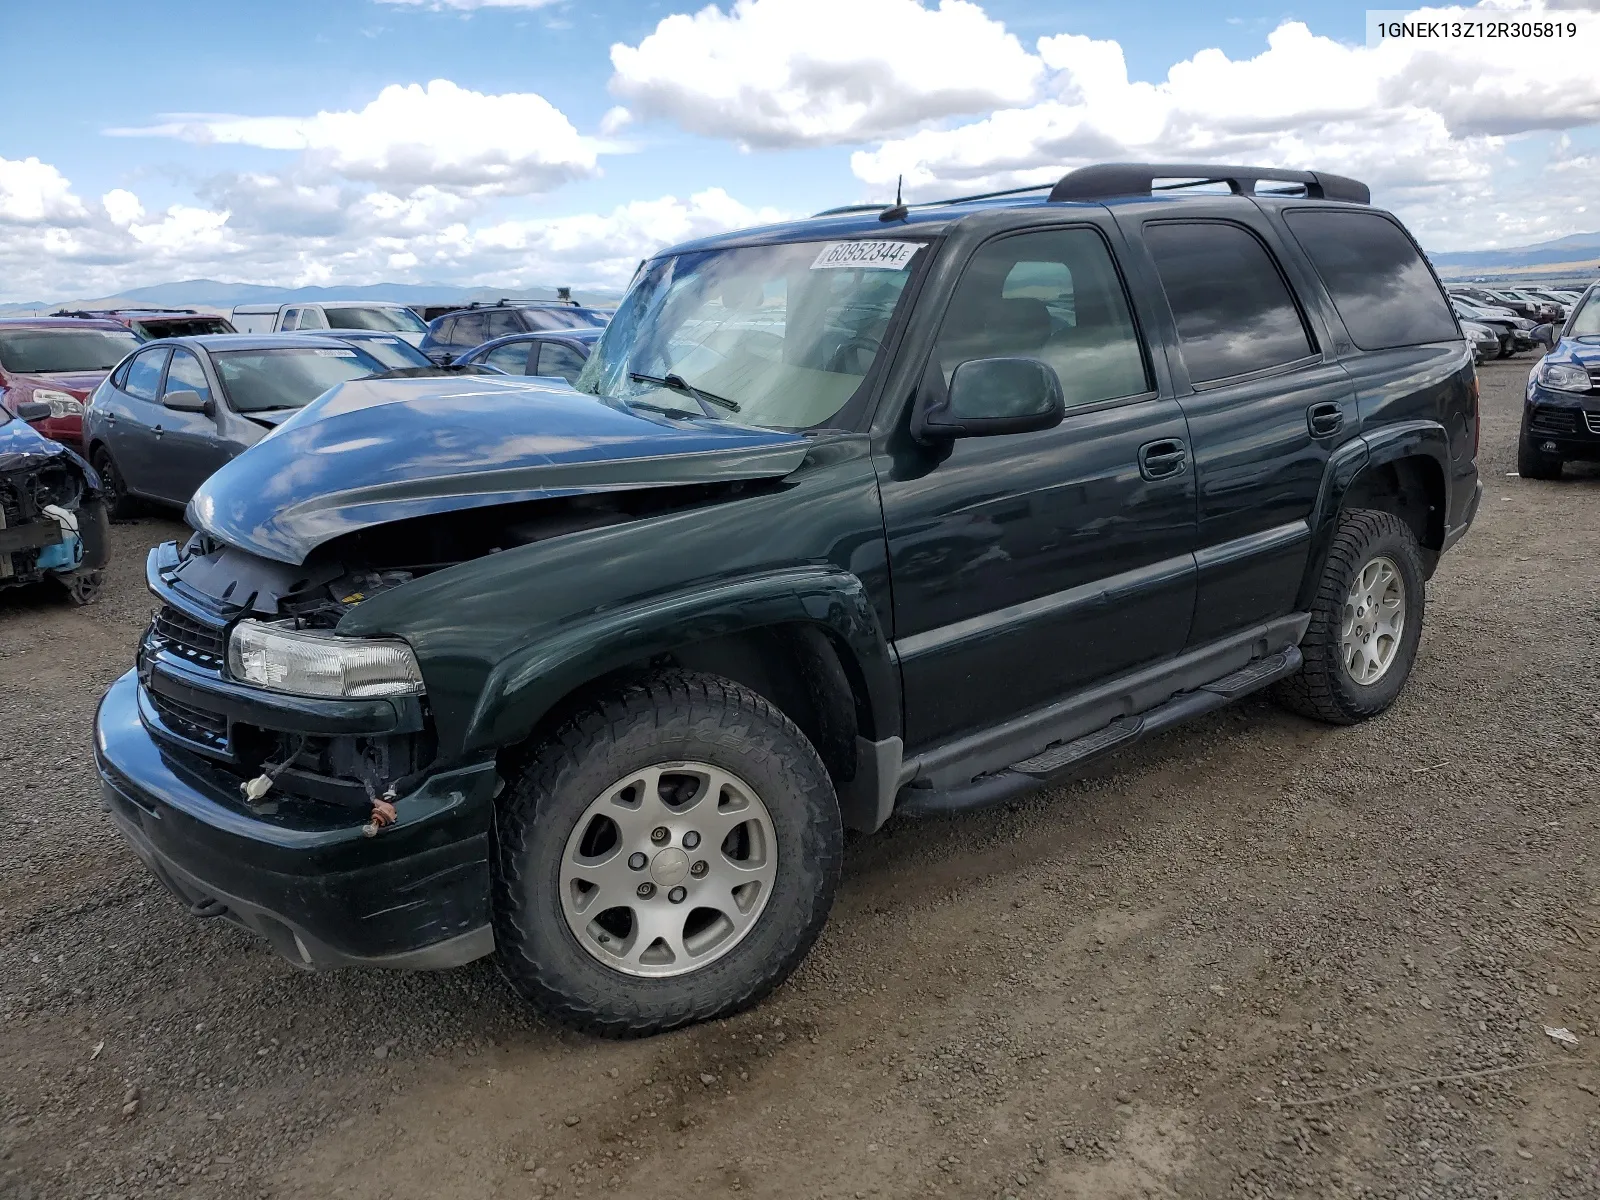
(214, 294)
(1577, 254)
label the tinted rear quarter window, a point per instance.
(1379, 283)
(1233, 310)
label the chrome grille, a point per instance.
(1592, 420)
(188, 638)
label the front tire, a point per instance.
(120, 506)
(1534, 464)
(1366, 622)
(668, 855)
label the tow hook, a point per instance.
(383, 811)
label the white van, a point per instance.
(381, 315)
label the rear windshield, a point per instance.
(260, 380)
(566, 318)
(46, 351)
(393, 352)
(165, 327)
(386, 320)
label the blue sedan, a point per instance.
(548, 355)
(1561, 417)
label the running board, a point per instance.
(1054, 762)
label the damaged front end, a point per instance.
(276, 762)
(53, 523)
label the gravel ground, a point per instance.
(1243, 959)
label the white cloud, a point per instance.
(32, 191)
(615, 120)
(441, 135)
(262, 229)
(771, 73)
(122, 207)
(1426, 123)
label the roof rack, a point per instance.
(1106, 180)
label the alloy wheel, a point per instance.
(668, 869)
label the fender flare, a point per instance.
(524, 686)
(1347, 464)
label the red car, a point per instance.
(58, 361)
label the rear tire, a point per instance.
(120, 506)
(82, 587)
(1366, 621)
(590, 959)
(1533, 463)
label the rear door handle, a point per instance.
(1325, 420)
(1163, 459)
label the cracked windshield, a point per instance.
(780, 336)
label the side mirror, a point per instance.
(989, 396)
(32, 410)
(186, 401)
(1545, 335)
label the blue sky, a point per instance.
(195, 196)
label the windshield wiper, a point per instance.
(678, 383)
(661, 408)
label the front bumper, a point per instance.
(305, 878)
(1566, 424)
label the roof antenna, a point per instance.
(898, 211)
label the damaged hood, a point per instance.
(22, 448)
(374, 451)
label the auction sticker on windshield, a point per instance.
(881, 256)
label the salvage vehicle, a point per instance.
(52, 520)
(58, 362)
(173, 413)
(148, 324)
(1515, 333)
(871, 513)
(547, 356)
(1484, 340)
(1561, 413)
(464, 329)
(305, 317)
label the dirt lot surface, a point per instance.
(1235, 962)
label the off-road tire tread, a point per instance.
(1313, 691)
(589, 728)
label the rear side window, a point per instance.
(558, 359)
(1232, 307)
(144, 374)
(1378, 281)
(502, 323)
(512, 358)
(470, 330)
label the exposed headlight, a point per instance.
(1564, 377)
(61, 404)
(306, 663)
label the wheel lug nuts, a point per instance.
(691, 840)
(698, 869)
(659, 834)
(646, 890)
(677, 894)
(637, 861)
